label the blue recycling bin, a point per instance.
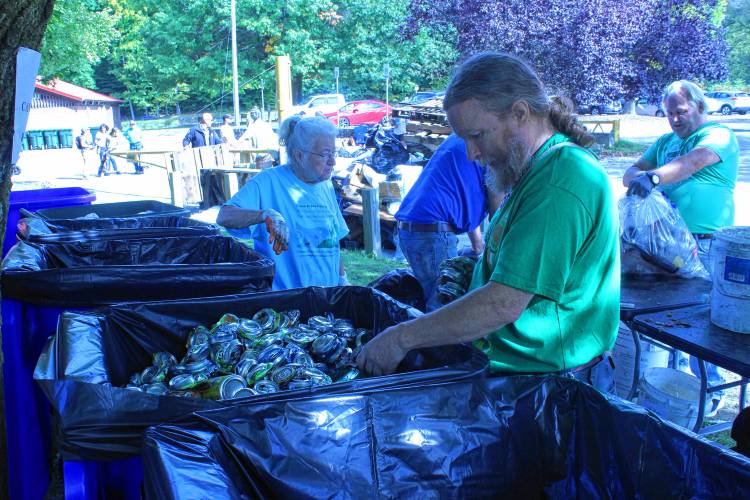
(40, 281)
(38, 199)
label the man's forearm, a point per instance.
(683, 167)
(475, 237)
(238, 218)
(472, 317)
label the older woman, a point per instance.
(291, 210)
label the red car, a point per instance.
(367, 112)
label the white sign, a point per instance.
(336, 72)
(27, 65)
(386, 71)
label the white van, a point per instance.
(325, 103)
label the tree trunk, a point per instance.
(22, 24)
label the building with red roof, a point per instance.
(61, 109)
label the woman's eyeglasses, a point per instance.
(327, 156)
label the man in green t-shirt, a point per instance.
(545, 295)
(696, 167)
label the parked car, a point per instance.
(610, 107)
(366, 112)
(325, 103)
(649, 108)
(424, 96)
(727, 102)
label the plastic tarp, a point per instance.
(93, 354)
(38, 230)
(89, 273)
(515, 437)
(402, 285)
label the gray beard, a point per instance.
(504, 173)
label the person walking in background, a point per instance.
(100, 141)
(134, 135)
(227, 131)
(85, 145)
(696, 167)
(115, 142)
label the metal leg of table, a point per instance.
(702, 398)
(636, 362)
(743, 391)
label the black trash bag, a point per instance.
(402, 285)
(38, 230)
(138, 208)
(389, 153)
(514, 437)
(90, 273)
(655, 239)
(85, 365)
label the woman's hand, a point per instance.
(278, 231)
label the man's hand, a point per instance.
(278, 231)
(641, 185)
(382, 354)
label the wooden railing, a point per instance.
(183, 168)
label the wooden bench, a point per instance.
(606, 132)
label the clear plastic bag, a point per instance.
(656, 240)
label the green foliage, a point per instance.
(160, 53)
(79, 35)
(738, 38)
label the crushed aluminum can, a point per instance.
(244, 366)
(282, 375)
(320, 323)
(226, 354)
(199, 335)
(347, 374)
(164, 360)
(258, 372)
(225, 387)
(295, 385)
(132, 387)
(245, 392)
(187, 381)
(197, 352)
(268, 319)
(158, 389)
(224, 333)
(325, 345)
(249, 329)
(265, 386)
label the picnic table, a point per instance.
(690, 330)
(645, 295)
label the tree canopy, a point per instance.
(160, 53)
(592, 49)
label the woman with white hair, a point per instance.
(291, 211)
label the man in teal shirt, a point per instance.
(696, 167)
(545, 295)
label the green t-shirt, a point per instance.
(706, 198)
(557, 238)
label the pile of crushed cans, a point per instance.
(273, 351)
(454, 278)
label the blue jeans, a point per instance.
(425, 251)
(601, 376)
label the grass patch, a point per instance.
(361, 269)
(624, 148)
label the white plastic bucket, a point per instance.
(730, 268)
(671, 394)
(624, 355)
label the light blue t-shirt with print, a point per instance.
(315, 226)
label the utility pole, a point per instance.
(336, 74)
(235, 79)
(387, 74)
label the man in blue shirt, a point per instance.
(448, 199)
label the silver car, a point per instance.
(649, 108)
(727, 102)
